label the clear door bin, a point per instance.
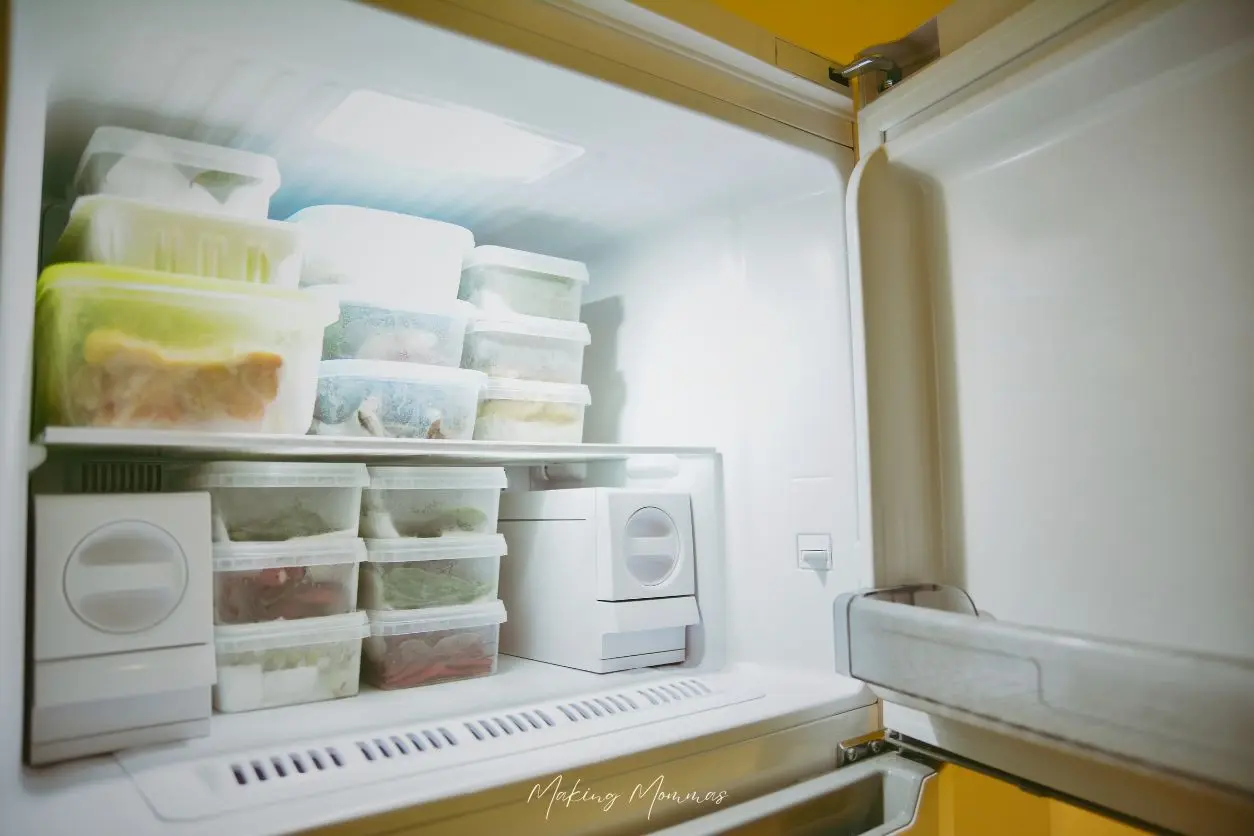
(504, 281)
(374, 326)
(407, 648)
(431, 501)
(130, 348)
(281, 501)
(524, 410)
(288, 662)
(178, 173)
(256, 582)
(410, 574)
(148, 236)
(411, 257)
(526, 347)
(396, 400)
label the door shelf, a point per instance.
(1184, 713)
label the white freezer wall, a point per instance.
(735, 331)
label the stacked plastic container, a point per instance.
(429, 580)
(527, 337)
(286, 553)
(390, 361)
(172, 301)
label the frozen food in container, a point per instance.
(148, 236)
(431, 501)
(525, 410)
(412, 574)
(526, 347)
(375, 326)
(277, 663)
(396, 400)
(255, 582)
(177, 172)
(415, 258)
(504, 281)
(277, 501)
(407, 648)
(131, 348)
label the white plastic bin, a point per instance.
(396, 400)
(374, 326)
(178, 173)
(411, 574)
(414, 258)
(431, 501)
(524, 410)
(504, 281)
(255, 582)
(123, 232)
(526, 347)
(407, 648)
(287, 662)
(281, 501)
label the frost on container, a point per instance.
(406, 649)
(431, 501)
(523, 410)
(396, 400)
(528, 348)
(501, 281)
(371, 327)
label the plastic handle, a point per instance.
(653, 546)
(141, 577)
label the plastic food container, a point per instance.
(255, 582)
(524, 410)
(407, 648)
(410, 574)
(417, 258)
(503, 281)
(281, 501)
(431, 501)
(396, 400)
(177, 172)
(374, 327)
(530, 348)
(130, 348)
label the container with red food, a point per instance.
(256, 582)
(408, 648)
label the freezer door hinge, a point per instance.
(867, 64)
(861, 748)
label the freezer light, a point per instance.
(442, 139)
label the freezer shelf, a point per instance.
(1184, 713)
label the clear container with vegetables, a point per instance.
(281, 501)
(276, 663)
(412, 574)
(527, 410)
(373, 326)
(499, 281)
(254, 582)
(396, 400)
(431, 501)
(408, 648)
(118, 347)
(527, 347)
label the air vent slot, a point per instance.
(290, 765)
(120, 477)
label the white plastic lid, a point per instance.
(436, 478)
(531, 326)
(510, 389)
(408, 372)
(297, 632)
(388, 301)
(278, 475)
(414, 549)
(114, 140)
(317, 551)
(460, 617)
(546, 265)
(343, 213)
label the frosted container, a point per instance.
(530, 348)
(277, 501)
(395, 400)
(409, 574)
(524, 410)
(373, 326)
(128, 348)
(408, 648)
(256, 582)
(177, 173)
(504, 281)
(278, 663)
(412, 257)
(431, 501)
(148, 236)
